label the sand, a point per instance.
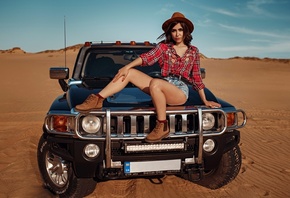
(260, 87)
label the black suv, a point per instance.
(77, 150)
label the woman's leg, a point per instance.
(163, 93)
(136, 77)
(139, 79)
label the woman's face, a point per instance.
(177, 33)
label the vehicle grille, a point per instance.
(141, 124)
(136, 124)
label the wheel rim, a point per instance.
(57, 169)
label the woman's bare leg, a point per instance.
(138, 78)
(164, 93)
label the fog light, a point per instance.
(208, 145)
(92, 150)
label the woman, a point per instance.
(178, 60)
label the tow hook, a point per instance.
(199, 174)
(156, 180)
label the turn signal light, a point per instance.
(118, 43)
(231, 118)
(132, 43)
(60, 123)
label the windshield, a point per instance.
(105, 63)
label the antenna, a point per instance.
(64, 26)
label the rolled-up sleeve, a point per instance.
(152, 56)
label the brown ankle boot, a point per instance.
(92, 102)
(160, 131)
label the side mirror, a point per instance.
(202, 72)
(59, 73)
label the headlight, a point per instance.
(208, 145)
(208, 121)
(91, 124)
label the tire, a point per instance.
(226, 171)
(58, 175)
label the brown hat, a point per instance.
(177, 16)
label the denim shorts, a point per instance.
(178, 83)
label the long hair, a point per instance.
(167, 38)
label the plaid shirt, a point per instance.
(170, 62)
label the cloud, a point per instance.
(264, 42)
(238, 48)
(279, 47)
(244, 30)
(255, 5)
(204, 23)
(261, 41)
(223, 12)
(212, 9)
(166, 9)
(253, 8)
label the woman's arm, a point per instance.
(197, 82)
(148, 58)
(210, 104)
(134, 63)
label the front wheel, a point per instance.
(225, 172)
(58, 175)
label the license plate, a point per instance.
(150, 166)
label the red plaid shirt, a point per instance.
(170, 62)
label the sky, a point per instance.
(222, 28)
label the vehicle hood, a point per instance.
(129, 97)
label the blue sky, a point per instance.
(223, 28)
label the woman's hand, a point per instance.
(122, 73)
(207, 103)
(212, 104)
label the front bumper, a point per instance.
(115, 164)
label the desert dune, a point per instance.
(261, 87)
